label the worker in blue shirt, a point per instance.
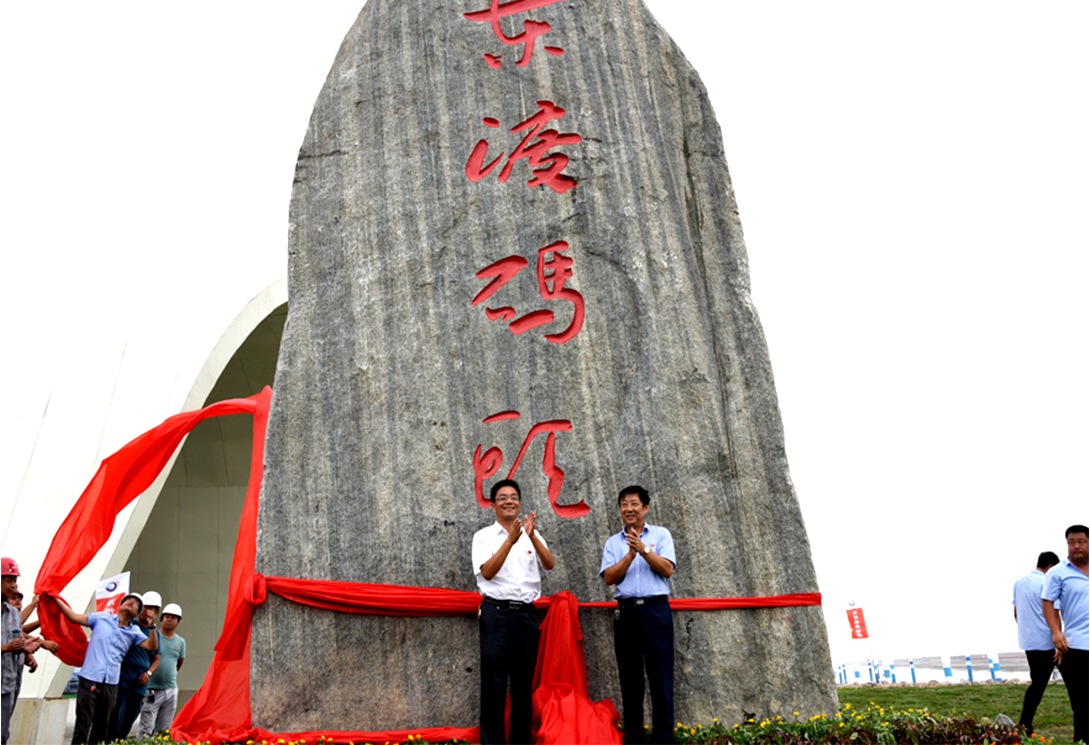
(1034, 636)
(1067, 585)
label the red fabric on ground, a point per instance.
(563, 711)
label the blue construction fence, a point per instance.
(968, 668)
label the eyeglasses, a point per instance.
(505, 498)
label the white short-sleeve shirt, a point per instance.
(520, 576)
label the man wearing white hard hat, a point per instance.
(162, 699)
(137, 668)
(111, 637)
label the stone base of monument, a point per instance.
(369, 672)
(385, 672)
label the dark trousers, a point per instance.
(508, 651)
(1074, 672)
(643, 637)
(94, 702)
(129, 704)
(9, 699)
(1041, 664)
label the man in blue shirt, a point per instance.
(111, 637)
(1068, 585)
(1034, 636)
(639, 562)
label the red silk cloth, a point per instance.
(220, 710)
(120, 479)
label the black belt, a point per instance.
(509, 604)
(653, 600)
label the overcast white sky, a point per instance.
(912, 181)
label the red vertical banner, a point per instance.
(859, 626)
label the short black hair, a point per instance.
(1076, 529)
(1047, 559)
(500, 484)
(639, 491)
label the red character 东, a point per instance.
(547, 167)
(487, 465)
(553, 270)
(530, 29)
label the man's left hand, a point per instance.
(145, 678)
(529, 522)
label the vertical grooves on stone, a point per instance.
(386, 371)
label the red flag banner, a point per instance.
(110, 591)
(859, 626)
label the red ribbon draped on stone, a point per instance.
(220, 710)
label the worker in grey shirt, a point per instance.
(16, 645)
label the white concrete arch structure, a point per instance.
(103, 395)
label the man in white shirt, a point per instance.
(1034, 635)
(507, 557)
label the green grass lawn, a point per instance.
(1053, 719)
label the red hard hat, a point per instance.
(9, 567)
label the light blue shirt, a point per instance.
(1072, 588)
(641, 581)
(108, 645)
(1033, 632)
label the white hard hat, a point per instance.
(151, 597)
(173, 609)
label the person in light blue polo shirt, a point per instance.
(111, 637)
(639, 562)
(1034, 636)
(1067, 584)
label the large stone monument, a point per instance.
(514, 247)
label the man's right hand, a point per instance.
(1060, 642)
(15, 645)
(515, 533)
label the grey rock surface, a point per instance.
(387, 371)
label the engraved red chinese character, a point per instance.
(547, 167)
(530, 29)
(487, 465)
(553, 270)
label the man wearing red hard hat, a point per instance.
(16, 645)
